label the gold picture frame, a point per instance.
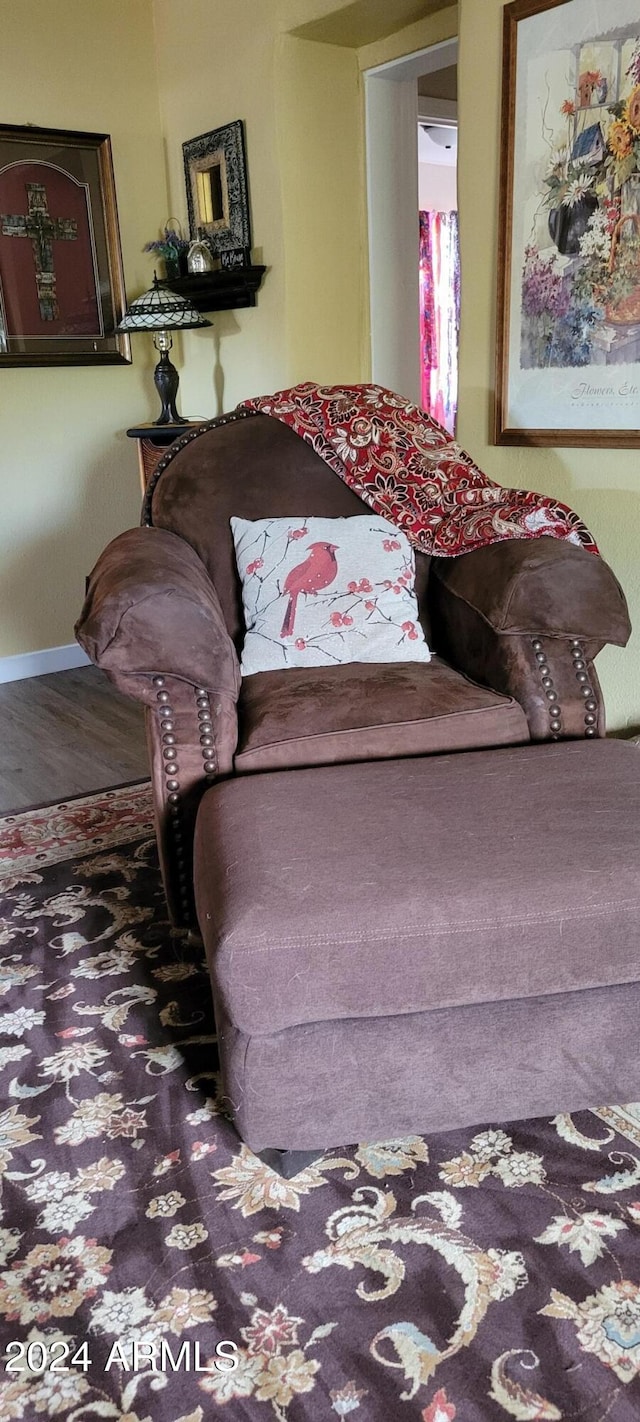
(568, 314)
(61, 277)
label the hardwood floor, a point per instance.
(67, 734)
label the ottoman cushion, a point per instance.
(405, 886)
(412, 946)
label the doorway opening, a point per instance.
(439, 244)
(393, 111)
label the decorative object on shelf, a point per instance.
(215, 169)
(61, 280)
(172, 247)
(199, 256)
(568, 346)
(161, 310)
(233, 257)
(221, 291)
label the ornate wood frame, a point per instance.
(85, 323)
(514, 14)
(227, 226)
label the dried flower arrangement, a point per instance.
(172, 247)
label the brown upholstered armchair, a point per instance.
(515, 626)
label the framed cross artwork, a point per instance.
(61, 279)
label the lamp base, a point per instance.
(166, 380)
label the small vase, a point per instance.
(172, 267)
(199, 257)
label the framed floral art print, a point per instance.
(568, 339)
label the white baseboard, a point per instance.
(51, 659)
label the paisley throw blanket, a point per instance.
(403, 464)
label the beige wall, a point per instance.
(300, 101)
(216, 62)
(432, 29)
(66, 470)
(437, 187)
(153, 73)
(320, 147)
(603, 485)
(68, 475)
(352, 22)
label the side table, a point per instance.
(153, 440)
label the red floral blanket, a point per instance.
(409, 470)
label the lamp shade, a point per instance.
(160, 309)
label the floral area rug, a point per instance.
(488, 1274)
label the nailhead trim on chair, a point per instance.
(172, 791)
(207, 739)
(178, 444)
(582, 677)
(555, 711)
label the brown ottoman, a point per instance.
(410, 946)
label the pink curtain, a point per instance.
(439, 315)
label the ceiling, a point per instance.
(442, 84)
(437, 145)
(365, 21)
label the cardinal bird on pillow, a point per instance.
(316, 573)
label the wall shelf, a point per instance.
(220, 291)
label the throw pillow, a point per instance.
(324, 591)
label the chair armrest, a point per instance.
(527, 617)
(153, 622)
(538, 587)
(151, 609)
